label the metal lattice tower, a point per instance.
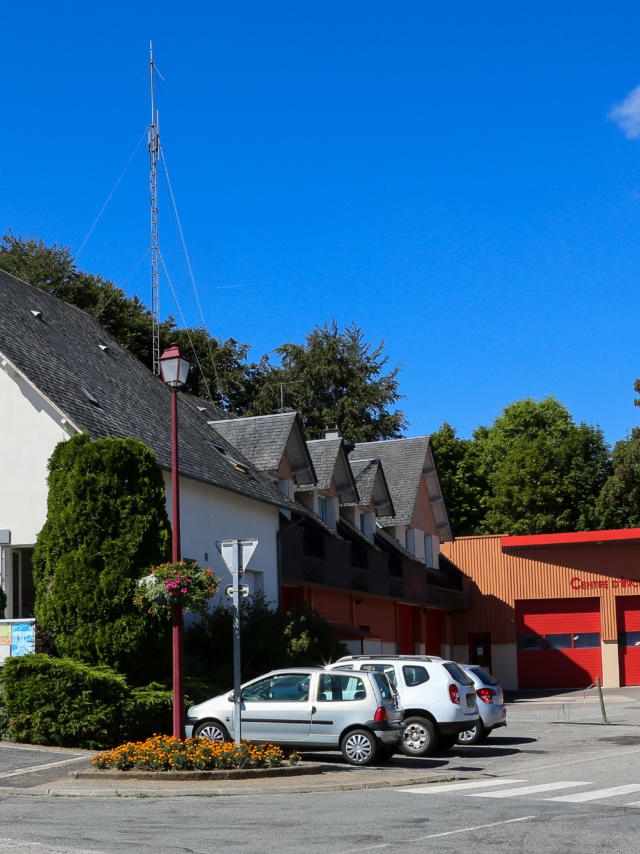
(154, 147)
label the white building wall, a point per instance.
(208, 514)
(29, 429)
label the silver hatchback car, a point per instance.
(493, 712)
(309, 708)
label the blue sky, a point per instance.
(448, 176)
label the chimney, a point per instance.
(332, 432)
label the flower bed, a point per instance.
(165, 753)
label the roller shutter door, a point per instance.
(628, 618)
(558, 642)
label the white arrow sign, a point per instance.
(246, 548)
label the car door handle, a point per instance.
(313, 710)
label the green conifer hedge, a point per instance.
(106, 525)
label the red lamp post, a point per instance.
(174, 369)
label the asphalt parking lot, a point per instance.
(540, 727)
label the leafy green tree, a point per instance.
(334, 377)
(462, 478)
(544, 472)
(295, 638)
(106, 525)
(619, 501)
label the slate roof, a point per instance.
(62, 352)
(263, 439)
(331, 462)
(368, 474)
(324, 453)
(403, 461)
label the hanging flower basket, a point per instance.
(185, 584)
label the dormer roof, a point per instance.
(405, 463)
(372, 486)
(331, 463)
(265, 439)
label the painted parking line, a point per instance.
(459, 787)
(33, 768)
(406, 843)
(529, 790)
(597, 794)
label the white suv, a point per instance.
(437, 697)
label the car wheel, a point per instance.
(359, 747)
(212, 731)
(474, 735)
(419, 737)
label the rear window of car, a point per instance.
(484, 676)
(336, 687)
(457, 673)
(387, 691)
(414, 675)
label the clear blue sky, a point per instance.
(445, 174)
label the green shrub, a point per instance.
(4, 717)
(71, 704)
(106, 526)
(63, 702)
(148, 710)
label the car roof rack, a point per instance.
(380, 656)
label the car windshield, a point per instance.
(484, 676)
(457, 673)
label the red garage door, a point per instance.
(558, 643)
(628, 618)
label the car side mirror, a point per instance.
(232, 697)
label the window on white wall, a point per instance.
(366, 524)
(428, 550)
(285, 486)
(431, 550)
(411, 541)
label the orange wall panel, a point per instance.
(499, 577)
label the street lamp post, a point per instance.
(174, 369)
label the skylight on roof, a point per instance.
(85, 393)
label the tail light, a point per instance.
(381, 715)
(454, 694)
(486, 694)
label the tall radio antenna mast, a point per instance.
(154, 147)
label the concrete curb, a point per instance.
(147, 791)
(114, 775)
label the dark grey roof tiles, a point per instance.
(324, 454)
(372, 485)
(263, 439)
(59, 352)
(403, 462)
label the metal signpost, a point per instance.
(236, 554)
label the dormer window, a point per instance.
(326, 510)
(410, 540)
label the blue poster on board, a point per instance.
(22, 638)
